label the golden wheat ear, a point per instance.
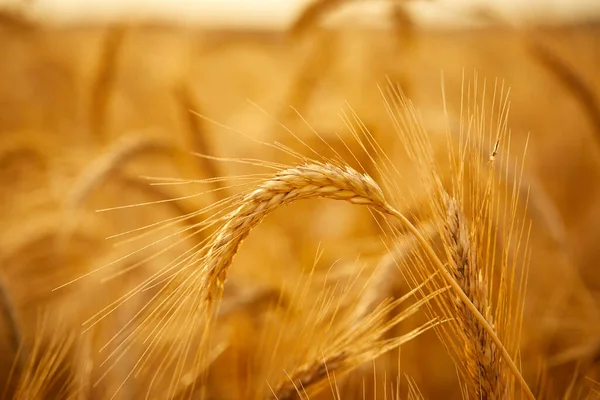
(312, 180)
(487, 377)
(484, 235)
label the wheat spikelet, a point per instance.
(325, 180)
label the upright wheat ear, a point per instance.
(323, 180)
(487, 378)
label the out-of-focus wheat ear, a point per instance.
(101, 168)
(572, 81)
(16, 20)
(316, 180)
(251, 299)
(104, 81)
(311, 15)
(567, 75)
(404, 30)
(197, 137)
(488, 378)
(313, 67)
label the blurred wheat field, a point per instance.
(87, 114)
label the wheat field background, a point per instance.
(87, 113)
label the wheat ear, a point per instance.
(486, 376)
(325, 180)
(450, 280)
(312, 14)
